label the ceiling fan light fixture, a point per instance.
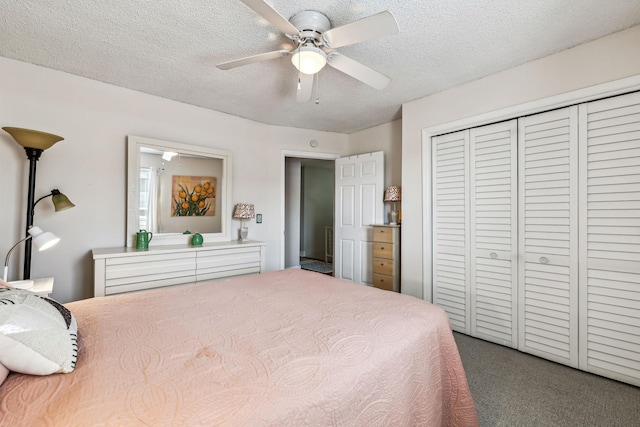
(309, 59)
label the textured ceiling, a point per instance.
(170, 48)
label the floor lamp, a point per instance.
(34, 143)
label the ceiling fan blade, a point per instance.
(304, 88)
(358, 71)
(271, 15)
(251, 59)
(373, 27)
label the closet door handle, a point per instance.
(493, 255)
(544, 260)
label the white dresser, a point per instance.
(118, 270)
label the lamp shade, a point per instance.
(309, 59)
(392, 194)
(60, 201)
(42, 240)
(244, 211)
(33, 138)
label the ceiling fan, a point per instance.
(314, 43)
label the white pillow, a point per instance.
(38, 336)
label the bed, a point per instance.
(281, 348)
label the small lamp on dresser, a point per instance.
(243, 211)
(393, 194)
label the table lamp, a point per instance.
(392, 194)
(42, 240)
(243, 211)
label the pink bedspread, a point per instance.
(287, 348)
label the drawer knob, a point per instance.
(544, 260)
(381, 247)
(493, 255)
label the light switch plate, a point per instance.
(258, 218)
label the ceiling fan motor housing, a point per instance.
(311, 25)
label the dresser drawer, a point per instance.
(384, 234)
(126, 274)
(383, 250)
(384, 266)
(388, 283)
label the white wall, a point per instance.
(89, 165)
(604, 60)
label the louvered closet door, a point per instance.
(610, 238)
(493, 232)
(450, 227)
(548, 229)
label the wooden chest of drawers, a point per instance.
(386, 257)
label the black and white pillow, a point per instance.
(38, 335)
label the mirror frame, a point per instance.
(133, 189)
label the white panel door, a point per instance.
(494, 232)
(450, 205)
(610, 237)
(359, 205)
(548, 230)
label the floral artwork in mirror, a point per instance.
(174, 187)
(193, 195)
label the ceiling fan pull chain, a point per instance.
(317, 88)
(299, 82)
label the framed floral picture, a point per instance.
(193, 196)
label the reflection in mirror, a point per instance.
(176, 189)
(179, 193)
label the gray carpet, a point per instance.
(511, 388)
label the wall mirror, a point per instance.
(175, 190)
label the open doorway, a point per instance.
(357, 193)
(308, 213)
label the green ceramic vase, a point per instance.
(196, 239)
